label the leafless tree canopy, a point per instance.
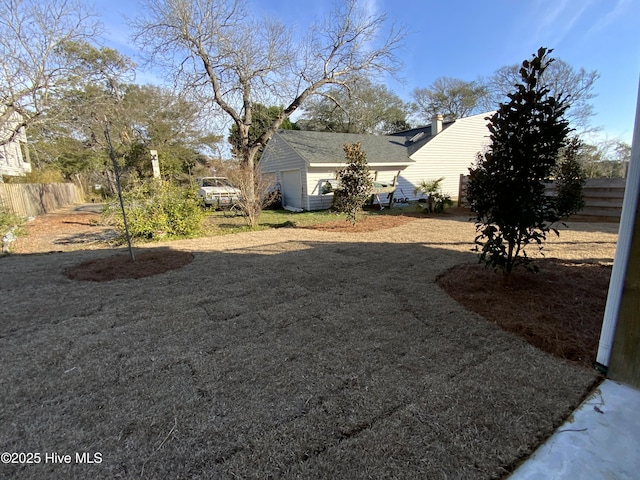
(364, 107)
(564, 82)
(32, 33)
(451, 97)
(218, 51)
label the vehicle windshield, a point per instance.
(214, 182)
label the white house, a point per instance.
(443, 150)
(304, 161)
(14, 158)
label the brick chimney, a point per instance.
(436, 124)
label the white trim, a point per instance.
(625, 236)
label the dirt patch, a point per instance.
(69, 229)
(558, 310)
(147, 263)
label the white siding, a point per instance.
(279, 157)
(317, 176)
(12, 158)
(12, 161)
(447, 155)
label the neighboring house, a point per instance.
(304, 161)
(444, 150)
(14, 158)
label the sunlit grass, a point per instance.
(218, 224)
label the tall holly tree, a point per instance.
(506, 186)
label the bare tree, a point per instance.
(451, 97)
(34, 66)
(365, 107)
(217, 50)
(564, 82)
(247, 179)
(605, 158)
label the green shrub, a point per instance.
(157, 209)
(39, 175)
(8, 220)
(436, 200)
(355, 183)
(10, 228)
(570, 178)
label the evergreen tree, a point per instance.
(355, 182)
(506, 187)
(570, 178)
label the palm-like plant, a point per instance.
(436, 200)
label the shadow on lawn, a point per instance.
(294, 359)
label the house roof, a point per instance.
(326, 148)
(415, 138)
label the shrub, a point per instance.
(257, 191)
(8, 220)
(570, 178)
(436, 200)
(39, 175)
(157, 209)
(9, 228)
(355, 183)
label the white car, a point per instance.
(217, 192)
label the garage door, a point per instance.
(292, 189)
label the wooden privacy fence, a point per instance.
(602, 196)
(32, 199)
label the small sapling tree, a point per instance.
(506, 186)
(355, 182)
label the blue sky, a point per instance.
(471, 38)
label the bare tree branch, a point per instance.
(245, 60)
(563, 82)
(451, 97)
(32, 34)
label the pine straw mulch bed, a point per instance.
(559, 309)
(117, 267)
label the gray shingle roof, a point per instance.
(415, 138)
(327, 147)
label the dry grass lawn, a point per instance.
(287, 353)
